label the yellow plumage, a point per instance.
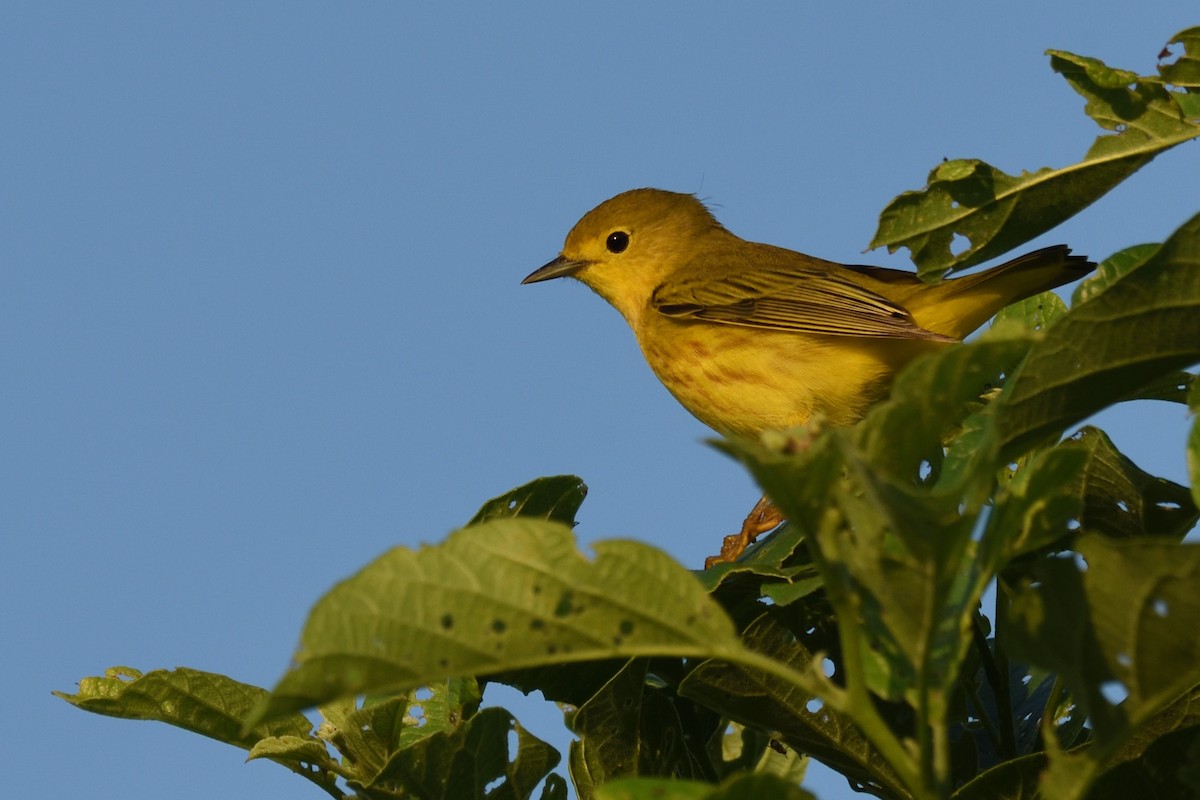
(750, 337)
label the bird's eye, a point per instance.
(617, 242)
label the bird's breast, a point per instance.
(740, 380)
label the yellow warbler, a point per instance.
(750, 337)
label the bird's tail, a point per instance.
(961, 305)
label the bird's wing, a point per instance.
(807, 301)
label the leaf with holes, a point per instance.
(369, 736)
(201, 702)
(1036, 507)
(996, 212)
(1184, 69)
(205, 703)
(798, 718)
(633, 727)
(890, 532)
(1160, 759)
(557, 498)
(1120, 499)
(501, 595)
(744, 749)
(1116, 622)
(1103, 350)
(469, 760)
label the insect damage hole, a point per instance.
(1114, 692)
(566, 604)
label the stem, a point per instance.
(923, 730)
(1007, 724)
(1049, 725)
(872, 725)
(941, 758)
(933, 736)
(984, 719)
(999, 684)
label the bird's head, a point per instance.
(628, 245)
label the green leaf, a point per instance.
(760, 786)
(555, 788)
(1159, 759)
(304, 755)
(1117, 619)
(202, 702)
(632, 728)
(1171, 386)
(1146, 326)
(1184, 71)
(919, 586)
(997, 212)
(800, 719)
(777, 556)
(555, 498)
(568, 684)
(1033, 313)
(1037, 507)
(776, 566)
(929, 404)
(1015, 778)
(890, 528)
(1180, 715)
(211, 705)
(1170, 767)
(1111, 270)
(370, 736)
(501, 595)
(797, 588)
(745, 749)
(1120, 499)
(467, 759)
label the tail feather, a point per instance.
(963, 304)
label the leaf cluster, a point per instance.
(854, 634)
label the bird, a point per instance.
(751, 337)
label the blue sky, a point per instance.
(261, 309)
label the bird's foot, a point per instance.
(765, 516)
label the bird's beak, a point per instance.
(560, 267)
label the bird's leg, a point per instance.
(763, 517)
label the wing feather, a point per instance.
(810, 300)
